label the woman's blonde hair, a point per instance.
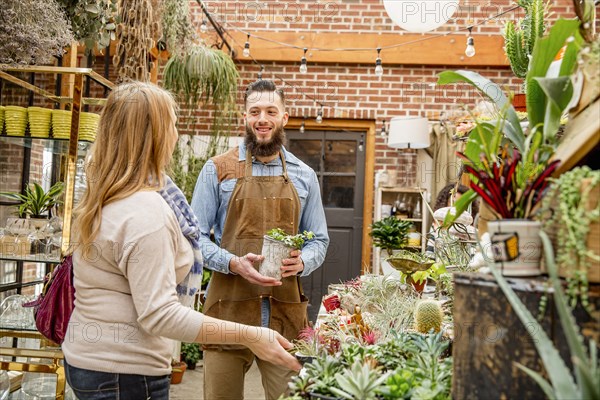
(135, 141)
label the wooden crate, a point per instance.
(489, 337)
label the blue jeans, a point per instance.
(96, 385)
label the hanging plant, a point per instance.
(93, 22)
(203, 75)
(178, 32)
(135, 37)
(31, 31)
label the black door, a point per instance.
(338, 158)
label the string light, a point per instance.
(319, 118)
(378, 66)
(383, 131)
(470, 50)
(302, 125)
(260, 73)
(303, 67)
(361, 145)
(203, 26)
(246, 52)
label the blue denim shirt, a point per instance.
(211, 199)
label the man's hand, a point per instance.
(244, 266)
(292, 266)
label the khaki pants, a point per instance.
(224, 373)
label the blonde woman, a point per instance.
(137, 260)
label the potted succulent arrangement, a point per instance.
(409, 264)
(277, 246)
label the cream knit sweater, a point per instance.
(126, 305)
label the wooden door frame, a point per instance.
(352, 125)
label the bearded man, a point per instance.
(240, 195)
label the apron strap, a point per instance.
(284, 167)
(248, 169)
(248, 165)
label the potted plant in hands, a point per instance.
(277, 246)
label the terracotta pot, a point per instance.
(177, 371)
(419, 286)
(519, 102)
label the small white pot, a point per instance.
(274, 252)
(516, 246)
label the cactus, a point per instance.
(519, 42)
(428, 316)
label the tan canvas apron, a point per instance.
(257, 204)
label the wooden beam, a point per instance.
(368, 127)
(446, 50)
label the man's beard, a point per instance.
(264, 149)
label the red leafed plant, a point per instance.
(331, 302)
(511, 187)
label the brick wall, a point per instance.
(354, 91)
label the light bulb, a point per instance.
(378, 67)
(383, 132)
(260, 72)
(470, 50)
(303, 66)
(302, 127)
(319, 116)
(361, 146)
(246, 52)
(203, 27)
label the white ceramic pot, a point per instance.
(274, 252)
(516, 246)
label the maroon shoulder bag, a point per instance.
(54, 306)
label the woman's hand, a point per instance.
(244, 266)
(270, 346)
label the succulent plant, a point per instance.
(428, 316)
(519, 41)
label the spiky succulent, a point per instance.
(428, 316)
(520, 40)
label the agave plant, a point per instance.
(359, 382)
(36, 201)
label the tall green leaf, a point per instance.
(544, 52)
(512, 127)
